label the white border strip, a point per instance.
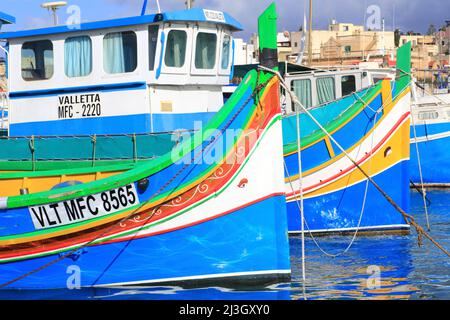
(381, 228)
(198, 277)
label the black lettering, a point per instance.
(54, 207)
(89, 200)
(72, 212)
(39, 217)
(50, 222)
(81, 207)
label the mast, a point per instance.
(310, 34)
(189, 4)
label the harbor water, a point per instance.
(376, 267)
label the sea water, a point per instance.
(376, 267)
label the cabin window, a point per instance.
(120, 52)
(78, 56)
(302, 89)
(348, 84)
(226, 45)
(205, 50)
(152, 44)
(325, 90)
(176, 49)
(37, 60)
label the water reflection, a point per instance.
(381, 267)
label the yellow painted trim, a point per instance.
(339, 128)
(375, 165)
(386, 95)
(329, 147)
(118, 217)
(327, 163)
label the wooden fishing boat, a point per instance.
(213, 209)
(367, 133)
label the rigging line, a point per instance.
(360, 215)
(134, 212)
(420, 168)
(408, 218)
(302, 216)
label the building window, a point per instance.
(348, 84)
(302, 89)
(348, 49)
(205, 50)
(176, 49)
(226, 46)
(37, 60)
(325, 90)
(346, 28)
(152, 44)
(78, 56)
(120, 52)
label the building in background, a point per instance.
(340, 44)
(244, 53)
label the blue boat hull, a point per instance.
(434, 154)
(339, 212)
(203, 251)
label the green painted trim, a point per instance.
(49, 165)
(116, 236)
(336, 124)
(250, 81)
(403, 77)
(77, 171)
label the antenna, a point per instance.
(189, 4)
(53, 6)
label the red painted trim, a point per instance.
(197, 222)
(378, 146)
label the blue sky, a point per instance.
(414, 15)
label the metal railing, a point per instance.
(4, 104)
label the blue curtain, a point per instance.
(113, 53)
(78, 56)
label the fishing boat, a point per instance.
(430, 138)
(343, 142)
(210, 210)
(5, 19)
(97, 99)
(97, 150)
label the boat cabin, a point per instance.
(132, 75)
(318, 87)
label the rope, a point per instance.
(134, 212)
(94, 144)
(420, 169)
(408, 218)
(302, 215)
(360, 215)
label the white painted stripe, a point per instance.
(292, 198)
(432, 137)
(199, 277)
(259, 185)
(381, 228)
(3, 203)
(358, 153)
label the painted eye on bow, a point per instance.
(243, 183)
(387, 152)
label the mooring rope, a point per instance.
(420, 168)
(256, 91)
(408, 218)
(362, 206)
